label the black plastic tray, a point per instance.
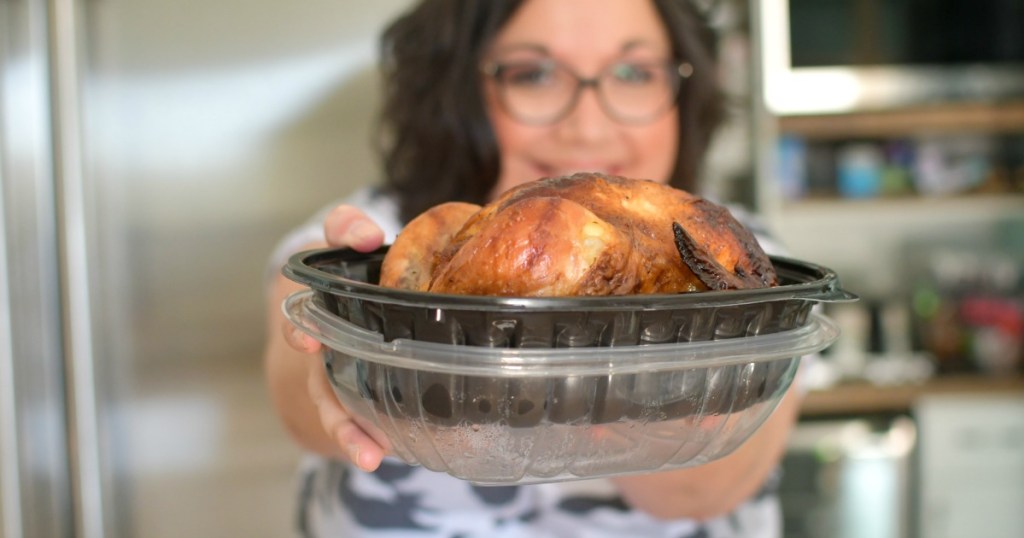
(344, 281)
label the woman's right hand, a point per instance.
(344, 226)
(347, 226)
(297, 377)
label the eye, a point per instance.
(635, 73)
(526, 74)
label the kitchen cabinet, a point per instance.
(831, 186)
(861, 398)
(855, 187)
(971, 465)
(890, 172)
(941, 458)
(976, 117)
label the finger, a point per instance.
(347, 226)
(360, 448)
(298, 339)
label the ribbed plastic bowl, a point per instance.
(524, 390)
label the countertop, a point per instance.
(859, 398)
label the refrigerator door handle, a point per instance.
(73, 224)
(10, 474)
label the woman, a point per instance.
(483, 96)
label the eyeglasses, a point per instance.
(543, 91)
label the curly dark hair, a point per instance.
(434, 122)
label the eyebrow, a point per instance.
(536, 47)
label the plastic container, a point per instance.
(513, 415)
(524, 390)
(345, 283)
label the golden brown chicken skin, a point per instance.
(585, 234)
(410, 261)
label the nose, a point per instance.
(587, 122)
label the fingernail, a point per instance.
(353, 454)
(300, 337)
(360, 232)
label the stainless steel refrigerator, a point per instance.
(151, 153)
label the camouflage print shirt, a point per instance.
(403, 501)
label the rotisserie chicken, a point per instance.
(585, 234)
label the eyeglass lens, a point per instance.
(543, 91)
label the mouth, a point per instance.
(565, 169)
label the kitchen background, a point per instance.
(152, 152)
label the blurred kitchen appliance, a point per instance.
(845, 55)
(849, 478)
(971, 465)
(144, 148)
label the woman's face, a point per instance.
(586, 37)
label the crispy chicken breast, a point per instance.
(584, 234)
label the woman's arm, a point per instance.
(296, 377)
(718, 487)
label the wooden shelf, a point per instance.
(987, 205)
(935, 119)
(865, 398)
